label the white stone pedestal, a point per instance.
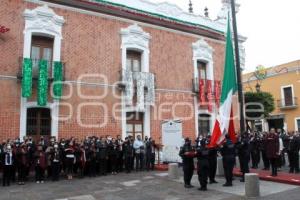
(252, 185)
(173, 171)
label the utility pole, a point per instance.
(238, 69)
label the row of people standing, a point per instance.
(287, 144)
(89, 157)
(243, 148)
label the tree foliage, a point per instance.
(258, 105)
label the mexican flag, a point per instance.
(224, 122)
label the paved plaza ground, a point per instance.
(140, 186)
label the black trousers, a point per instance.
(244, 164)
(274, 165)
(128, 161)
(120, 162)
(150, 160)
(22, 169)
(55, 171)
(294, 161)
(203, 171)
(212, 168)
(139, 161)
(188, 172)
(69, 166)
(255, 157)
(265, 159)
(39, 173)
(113, 163)
(103, 166)
(7, 169)
(228, 165)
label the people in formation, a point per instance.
(250, 148)
(93, 156)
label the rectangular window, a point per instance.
(202, 70)
(41, 48)
(38, 122)
(298, 124)
(288, 96)
(133, 61)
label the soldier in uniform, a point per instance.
(228, 153)
(203, 164)
(243, 147)
(187, 154)
(213, 156)
(272, 149)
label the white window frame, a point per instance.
(282, 94)
(203, 52)
(296, 124)
(134, 38)
(41, 21)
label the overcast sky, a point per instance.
(272, 28)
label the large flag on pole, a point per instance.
(224, 122)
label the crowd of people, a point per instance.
(91, 157)
(249, 148)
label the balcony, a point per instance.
(35, 69)
(141, 82)
(285, 104)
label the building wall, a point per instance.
(91, 45)
(284, 75)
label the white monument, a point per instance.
(171, 140)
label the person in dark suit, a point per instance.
(187, 154)
(56, 161)
(128, 151)
(103, 156)
(272, 150)
(293, 152)
(7, 158)
(263, 149)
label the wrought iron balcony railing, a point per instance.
(35, 69)
(288, 103)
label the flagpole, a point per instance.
(238, 69)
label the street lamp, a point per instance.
(257, 87)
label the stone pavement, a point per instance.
(139, 186)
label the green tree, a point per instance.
(258, 105)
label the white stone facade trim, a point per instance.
(203, 52)
(134, 38)
(41, 21)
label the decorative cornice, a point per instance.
(43, 18)
(168, 10)
(135, 36)
(201, 49)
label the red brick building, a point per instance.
(118, 59)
